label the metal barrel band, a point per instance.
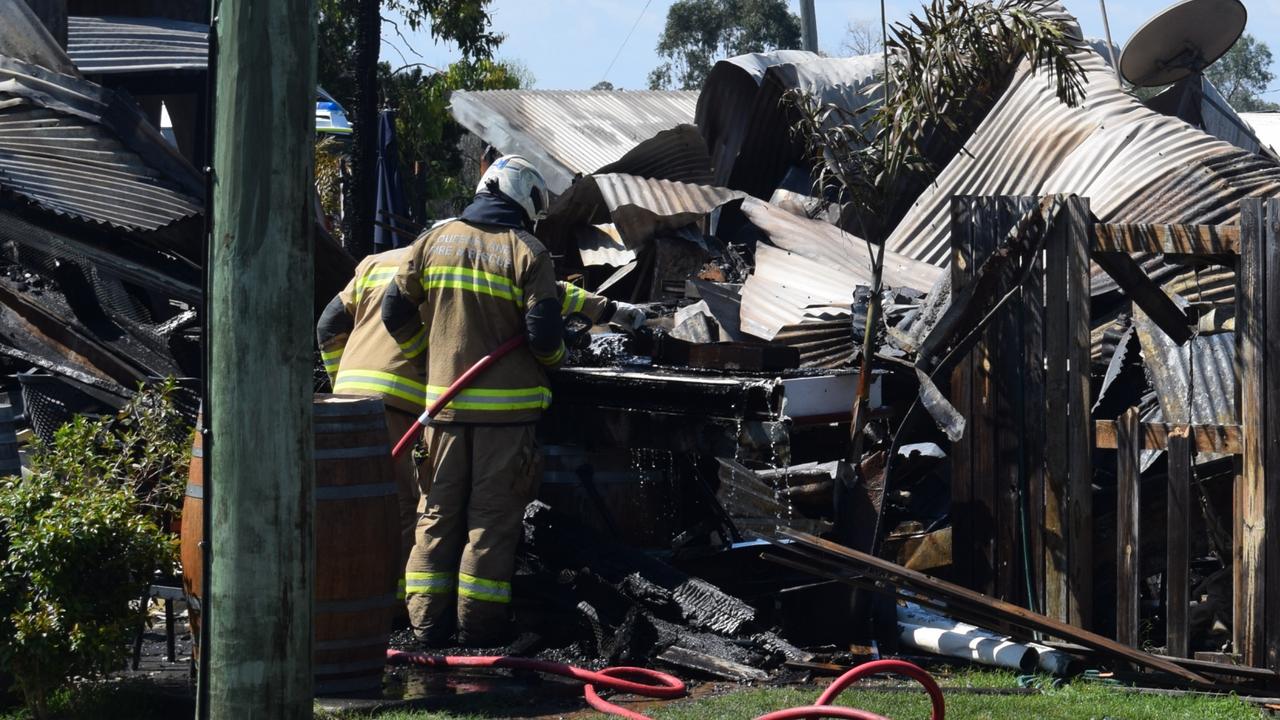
(351, 453)
(348, 427)
(379, 640)
(355, 492)
(352, 606)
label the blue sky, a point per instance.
(568, 44)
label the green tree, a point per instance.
(1243, 74)
(700, 32)
(349, 34)
(428, 138)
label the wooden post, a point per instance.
(1177, 543)
(260, 318)
(1128, 494)
(1068, 495)
(998, 391)
(1257, 555)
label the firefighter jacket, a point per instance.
(474, 283)
(365, 359)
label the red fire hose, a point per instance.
(654, 684)
(458, 385)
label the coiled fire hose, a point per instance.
(660, 685)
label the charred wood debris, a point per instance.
(691, 465)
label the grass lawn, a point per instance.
(1080, 701)
(965, 701)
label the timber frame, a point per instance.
(1027, 381)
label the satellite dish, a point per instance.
(1181, 41)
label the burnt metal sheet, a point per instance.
(639, 207)
(724, 105)
(73, 167)
(1133, 164)
(677, 154)
(809, 271)
(1196, 382)
(24, 37)
(571, 133)
(602, 245)
(1196, 101)
(849, 83)
(115, 45)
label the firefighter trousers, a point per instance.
(481, 479)
(406, 474)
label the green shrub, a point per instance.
(81, 538)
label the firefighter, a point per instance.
(362, 358)
(464, 288)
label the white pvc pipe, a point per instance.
(934, 633)
(978, 648)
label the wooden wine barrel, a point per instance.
(357, 543)
(190, 536)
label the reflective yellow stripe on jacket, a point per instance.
(575, 298)
(552, 359)
(375, 278)
(380, 382)
(332, 359)
(534, 398)
(478, 281)
(416, 345)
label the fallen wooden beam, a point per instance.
(895, 574)
(711, 665)
(1167, 239)
(1155, 436)
(1146, 294)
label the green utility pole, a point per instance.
(260, 319)
(808, 26)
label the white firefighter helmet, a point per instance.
(519, 180)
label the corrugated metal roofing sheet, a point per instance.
(570, 133)
(111, 45)
(638, 207)
(76, 168)
(1133, 164)
(810, 271)
(848, 83)
(23, 37)
(724, 105)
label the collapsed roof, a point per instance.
(570, 133)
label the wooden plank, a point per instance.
(1249, 609)
(1271, 435)
(1147, 295)
(1053, 560)
(1033, 428)
(988, 229)
(711, 665)
(962, 398)
(1167, 239)
(1155, 436)
(1177, 544)
(1128, 530)
(1015, 615)
(1079, 436)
